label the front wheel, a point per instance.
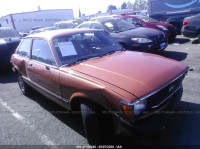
(91, 123)
(23, 86)
(177, 26)
(172, 38)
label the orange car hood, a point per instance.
(135, 72)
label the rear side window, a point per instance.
(63, 25)
(24, 49)
(87, 25)
(97, 26)
(41, 52)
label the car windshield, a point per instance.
(117, 25)
(75, 48)
(149, 20)
(6, 33)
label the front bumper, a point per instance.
(151, 123)
(160, 105)
(150, 47)
(189, 34)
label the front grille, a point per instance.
(159, 97)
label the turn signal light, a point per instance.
(128, 111)
(186, 23)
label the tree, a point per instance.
(123, 6)
(111, 7)
(140, 5)
(79, 12)
(129, 5)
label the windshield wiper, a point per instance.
(124, 30)
(81, 60)
(110, 52)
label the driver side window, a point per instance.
(41, 52)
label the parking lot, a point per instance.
(35, 120)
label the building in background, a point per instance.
(23, 22)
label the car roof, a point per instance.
(135, 16)
(62, 22)
(105, 17)
(53, 33)
(103, 20)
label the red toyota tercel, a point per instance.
(87, 70)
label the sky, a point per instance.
(86, 6)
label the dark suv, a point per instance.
(9, 40)
(191, 27)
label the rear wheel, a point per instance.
(23, 86)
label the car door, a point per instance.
(42, 68)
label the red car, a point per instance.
(144, 21)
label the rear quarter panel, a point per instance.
(20, 64)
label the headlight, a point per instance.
(140, 106)
(162, 27)
(2, 41)
(135, 109)
(141, 40)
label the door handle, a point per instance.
(48, 68)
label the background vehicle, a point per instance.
(144, 21)
(132, 38)
(77, 69)
(143, 13)
(23, 34)
(9, 40)
(34, 28)
(191, 27)
(64, 24)
(77, 21)
(43, 29)
(104, 17)
(173, 11)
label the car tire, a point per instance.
(23, 86)
(172, 38)
(90, 118)
(176, 26)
